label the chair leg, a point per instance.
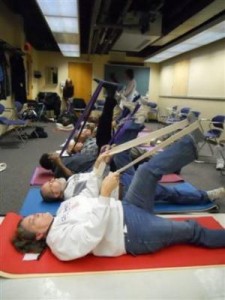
(20, 135)
(210, 148)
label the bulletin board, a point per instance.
(141, 75)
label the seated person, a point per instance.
(94, 222)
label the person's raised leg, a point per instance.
(104, 129)
(142, 189)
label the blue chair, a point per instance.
(100, 104)
(196, 113)
(79, 105)
(216, 129)
(17, 124)
(184, 112)
(154, 109)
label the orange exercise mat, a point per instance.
(13, 266)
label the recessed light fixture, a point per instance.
(63, 20)
(210, 35)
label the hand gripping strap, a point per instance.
(84, 115)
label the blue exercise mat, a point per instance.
(165, 208)
(33, 203)
(170, 208)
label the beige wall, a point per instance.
(195, 79)
(43, 59)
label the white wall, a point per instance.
(195, 79)
(42, 59)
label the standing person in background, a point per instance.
(130, 89)
(113, 78)
(68, 92)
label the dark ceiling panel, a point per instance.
(110, 21)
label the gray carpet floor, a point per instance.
(21, 160)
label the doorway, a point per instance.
(81, 76)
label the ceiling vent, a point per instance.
(132, 39)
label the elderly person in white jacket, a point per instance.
(94, 222)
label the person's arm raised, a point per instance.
(58, 162)
(109, 183)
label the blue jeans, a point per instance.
(171, 194)
(147, 233)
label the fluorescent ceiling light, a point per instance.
(205, 37)
(71, 53)
(183, 47)
(66, 38)
(62, 18)
(69, 47)
(58, 24)
(63, 8)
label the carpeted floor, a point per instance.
(22, 159)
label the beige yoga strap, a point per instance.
(145, 139)
(162, 145)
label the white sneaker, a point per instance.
(216, 194)
(219, 164)
(3, 166)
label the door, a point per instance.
(81, 76)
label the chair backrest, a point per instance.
(218, 121)
(196, 113)
(152, 104)
(184, 110)
(18, 106)
(2, 108)
(79, 103)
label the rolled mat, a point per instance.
(12, 264)
(40, 176)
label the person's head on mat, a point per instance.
(49, 161)
(31, 232)
(53, 190)
(46, 162)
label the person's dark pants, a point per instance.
(104, 130)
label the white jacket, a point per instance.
(88, 223)
(130, 90)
